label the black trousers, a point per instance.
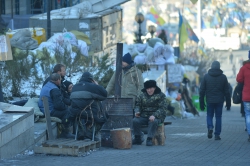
(152, 126)
(60, 114)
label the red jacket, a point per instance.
(244, 77)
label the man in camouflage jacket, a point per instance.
(150, 109)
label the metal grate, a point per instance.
(120, 112)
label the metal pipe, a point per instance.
(1, 92)
(118, 75)
(48, 19)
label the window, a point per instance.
(17, 7)
(2, 6)
(36, 6)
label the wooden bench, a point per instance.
(55, 146)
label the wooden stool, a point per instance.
(121, 138)
(160, 137)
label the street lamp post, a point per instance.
(139, 18)
(151, 30)
(1, 92)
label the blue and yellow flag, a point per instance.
(185, 32)
(155, 17)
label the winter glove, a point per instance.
(228, 107)
(171, 109)
(202, 106)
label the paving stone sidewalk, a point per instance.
(186, 144)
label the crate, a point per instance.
(68, 147)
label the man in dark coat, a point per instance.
(85, 104)
(150, 109)
(215, 87)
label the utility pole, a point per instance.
(199, 19)
(12, 16)
(1, 92)
(48, 19)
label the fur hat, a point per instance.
(127, 58)
(150, 84)
(215, 65)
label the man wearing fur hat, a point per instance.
(132, 81)
(215, 87)
(150, 109)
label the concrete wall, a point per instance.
(17, 136)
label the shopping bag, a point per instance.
(5, 48)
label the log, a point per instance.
(159, 137)
(121, 138)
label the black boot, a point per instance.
(137, 140)
(66, 134)
(149, 142)
(66, 124)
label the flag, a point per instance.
(155, 17)
(202, 51)
(203, 26)
(185, 32)
(194, 1)
(183, 35)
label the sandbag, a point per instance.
(22, 39)
(140, 59)
(149, 52)
(158, 49)
(153, 41)
(141, 47)
(82, 46)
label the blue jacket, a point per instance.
(45, 92)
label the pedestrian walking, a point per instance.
(214, 87)
(231, 57)
(244, 77)
(234, 70)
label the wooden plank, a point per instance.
(77, 144)
(57, 142)
(48, 120)
(56, 151)
(18, 109)
(98, 144)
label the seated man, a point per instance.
(85, 104)
(61, 70)
(150, 109)
(57, 107)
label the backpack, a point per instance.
(237, 94)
